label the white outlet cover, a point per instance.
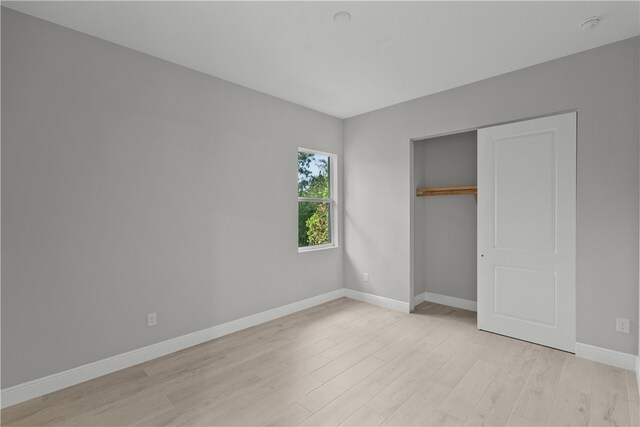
(152, 319)
(365, 277)
(622, 325)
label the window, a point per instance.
(317, 219)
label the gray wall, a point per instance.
(445, 233)
(603, 85)
(132, 185)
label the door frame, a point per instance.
(412, 193)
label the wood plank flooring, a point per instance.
(350, 363)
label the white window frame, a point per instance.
(332, 200)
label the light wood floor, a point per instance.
(351, 363)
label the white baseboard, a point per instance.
(392, 304)
(464, 304)
(606, 356)
(638, 372)
(41, 386)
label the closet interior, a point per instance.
(445, 216)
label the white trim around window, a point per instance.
(332, 200)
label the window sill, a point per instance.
(317, 248)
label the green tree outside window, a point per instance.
(314, 203)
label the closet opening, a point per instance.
(494, 226)
(445, 220)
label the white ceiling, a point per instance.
(389, 53)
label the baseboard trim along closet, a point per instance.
(606, 356)
(385, 302)
(464, 304)
(41, 386)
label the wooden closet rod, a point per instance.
(448, 191)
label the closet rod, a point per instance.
(448, 191)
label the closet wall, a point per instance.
(602, 85)
(445, 226)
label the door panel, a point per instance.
(526, 230)
(527, 194)
(524, 294)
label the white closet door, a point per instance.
(527, 230)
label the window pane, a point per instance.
(313, 224)
(313, 175)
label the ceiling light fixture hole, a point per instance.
(590, 24)
(342, 18)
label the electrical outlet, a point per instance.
(365, 277)
(622, 325)
(152, 319)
